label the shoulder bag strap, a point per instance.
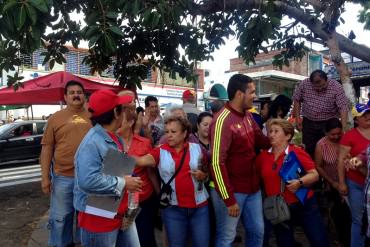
(178, 169)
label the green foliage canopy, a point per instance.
(132, 35)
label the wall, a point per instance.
(264, 62)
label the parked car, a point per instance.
(21, 141)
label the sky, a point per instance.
(222, 56)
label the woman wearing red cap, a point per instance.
(179, 162)
(98, 230)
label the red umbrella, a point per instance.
(48, 89)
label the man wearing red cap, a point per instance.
(189, 99)
(63, 134)
(107, 111)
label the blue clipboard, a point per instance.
(293, 169)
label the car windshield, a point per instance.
(4, 128)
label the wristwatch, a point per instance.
(300, 181)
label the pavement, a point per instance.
(39, 237)
(40, 234)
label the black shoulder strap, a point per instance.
(178, 169)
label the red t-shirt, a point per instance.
(141, 146)
(358, 143)
(94, 223)
(185, 191)
(270, 174)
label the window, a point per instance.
(40, 127)
(23, 130)
(72, 62)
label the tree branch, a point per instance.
(315, 3)
(315, 25)
(307, 37)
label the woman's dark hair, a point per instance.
(264, 102)
(106, 117)
(282, 103)
(149, 99)
(139, 109)
(332, 123)
(203, 115)
(184, 123)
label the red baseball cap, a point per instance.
(102, 101)
(188, 94)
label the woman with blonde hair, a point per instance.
(269, 163)
(178, 162)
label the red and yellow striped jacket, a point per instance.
(234, 139)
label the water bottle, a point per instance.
(133, 198)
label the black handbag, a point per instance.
(275, 208)
(165, 193)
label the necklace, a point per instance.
(127, 143)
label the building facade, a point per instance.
(167, 90)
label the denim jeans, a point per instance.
(250, 213)
(308, 215)
(62, 212)
(116, 238)
(355, 198)
(180, 222)
(145, 221)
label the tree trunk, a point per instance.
(343, 71)
(340, 65)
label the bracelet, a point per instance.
(300, 181)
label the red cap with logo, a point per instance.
(102, 101)
(188, 94)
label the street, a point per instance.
(21, 206)
(20, 174)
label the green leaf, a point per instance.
(40, 5)
(31, 12)
(51, 64)
(46, 59)
(9, 5)
(94, 39)
(21, 18)
(275, 21)
(135, 8)
(91, 31)
(92, 18)
(116, 30)
(156, 18)
(112, 15)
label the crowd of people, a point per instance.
(203, 172)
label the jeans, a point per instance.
(116, 238)
(308, 215)
(62, 212)
(250, 213)
(179, 222)
(145, 221)
(355, 198)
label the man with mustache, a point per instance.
(64, 131)
(318, 99)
